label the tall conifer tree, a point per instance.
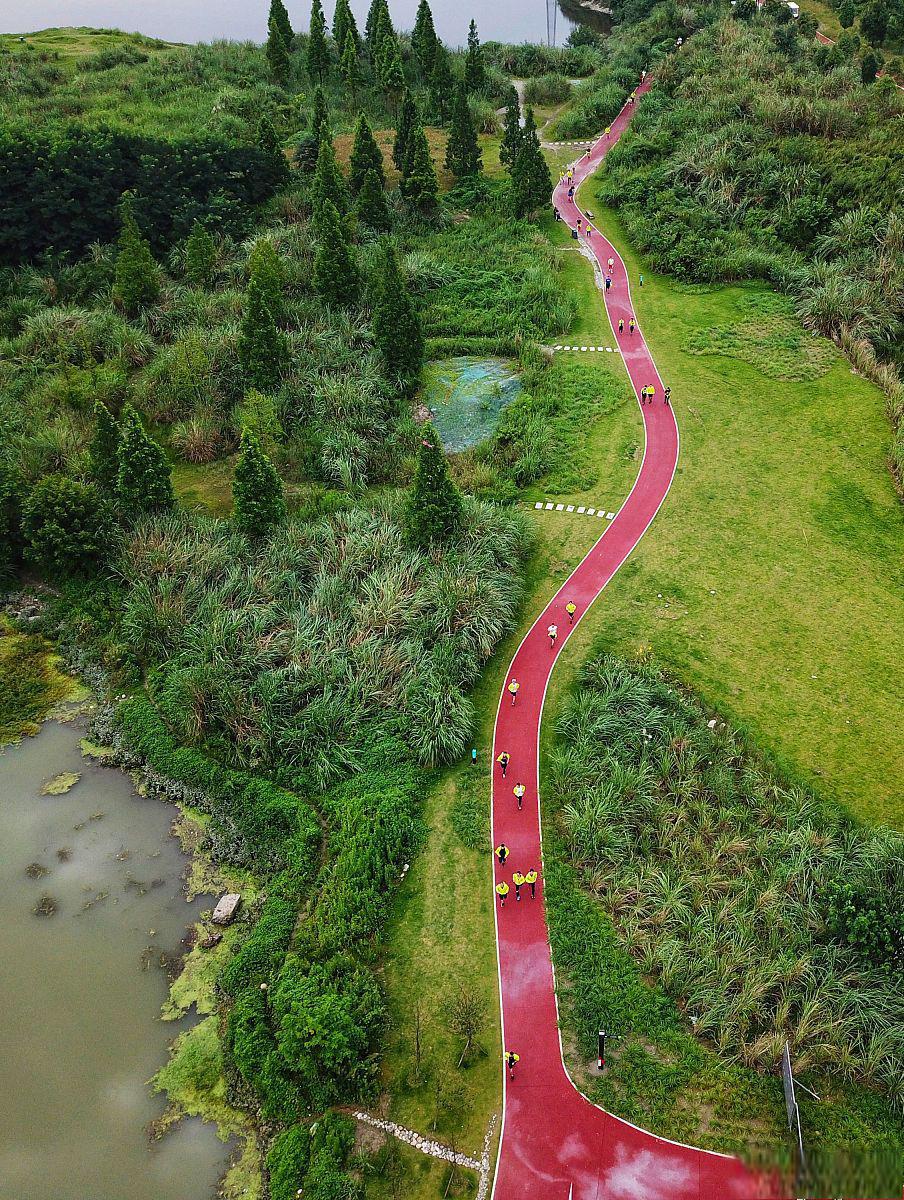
(441, 83)
(262, 347)
(329, 182)
(419, 186)
(424, 39)
(401, 147)
(344, 24)
(259, 504)
(397, 328)
(336, 275)
(435, 510)
(104, 459)
(511, 133)
(463, 154)
(371, 208)
(475, 73)
(317, 57)
(280, 17)
(200, 256)
(136, 278)
(320, 118)
(143, 482)
(350, 67)
(278, 55)
(366, 156)
(531, 180)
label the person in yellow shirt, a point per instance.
(571, 608)
(531, 879)
(513, 690)
(510, 1059)
(519, 790)
(502, 853)
(503, 760)
(517, 880)
(502, 890)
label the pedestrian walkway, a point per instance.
(555, 1143)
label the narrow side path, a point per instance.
(556, 1145)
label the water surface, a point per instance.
(465, 396)
(80, 991)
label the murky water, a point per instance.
(80, 991)
(181, 21)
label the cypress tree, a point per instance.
(511, 133)
(408, 119)
(336, 276)
(372, 25)
(280, 17)
(462, 151)
(329, 182)
(419, 186)
(320, 118)
(262, 347)
(371, 207)
(277, 170)
(104, 460)
(366, 156)
(200, 255)
(348, 65)
(434, 511)
(258, 503)
(531, 180)
(136, 279)
(392, 76)
(317, 57)
(278, 55)
(441, 83)
(344, 24)
(397, 328)
(264, 265)
(143, 483)
(475, 74)
(424, 39)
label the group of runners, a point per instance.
(519, 879)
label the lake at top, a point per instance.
(81, 990)
(238, 20)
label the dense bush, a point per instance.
(868, 914)
(547, 89)
(66, 526)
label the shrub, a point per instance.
(66, 526)
(547, 89)
(287, 1162)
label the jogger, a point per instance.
(531, 879)
(502, 890)
(517, 880)
(519, 790)
(513, 690)
(503, 760)
(552, 632)
(502, 853)
(667, 395)
(571, 608)
(621, 324)
(510, 1059)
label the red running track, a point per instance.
(556, 1145)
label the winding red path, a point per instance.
(556, 1145)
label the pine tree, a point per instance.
(136, 278)
(424, 39)
(200, 256)
(531, 180)
(264, 265)
(258, 503)
(401, 148)
(475, 73)
(366, 156)
(104, 461)
(329, 182)
(441, 83)
(462, 151)
(389, 65)
(349, 65)
(317, 56)
(511, 133)
(278, 55)
(397, 328)
(277, 169)
(262, 347)
(371, 208)
(280, 18)
(419, 186)
(336, 275)
(372, 26)
(320, 118)
(434, 511)
(344, 24)
(143, 483)
(847, 13)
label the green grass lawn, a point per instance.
(72, 42)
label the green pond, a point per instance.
(465, 397)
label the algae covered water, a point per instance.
(91, 898)
(465, 397)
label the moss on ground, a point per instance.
(31, 683)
